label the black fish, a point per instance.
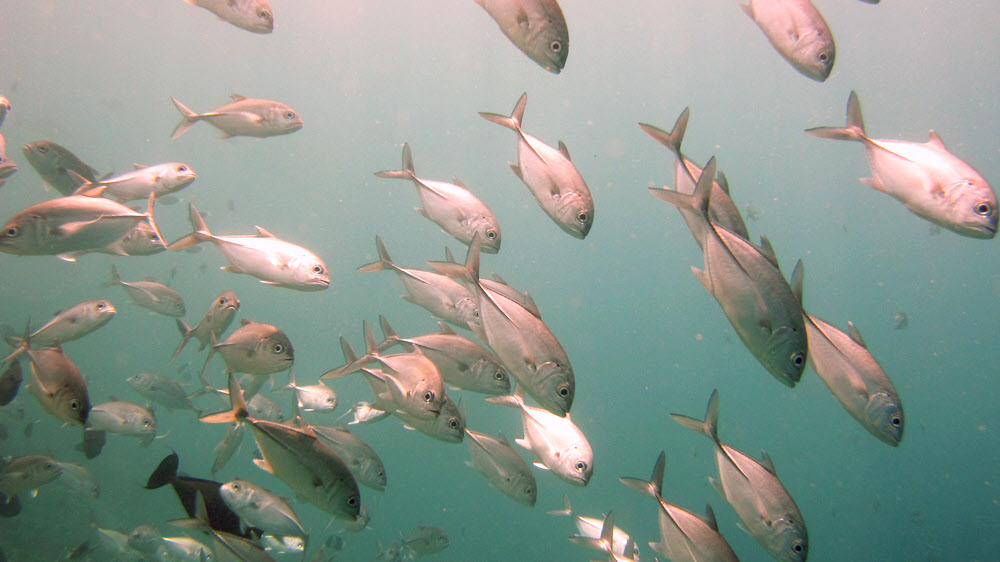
(220, 517)
(9, 507)
(93, 442)
(10, 382)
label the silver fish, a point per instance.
(364, 412)
(252, 15)
(537, 27)
(142, 240)
(216, 320)
(160, 179)
(753, 490)
(363, 461)
(448, 426)
(53, 162)
(7, 166)
(314, 397)
(798, 32)
(933, 183)
(244, 117)
(261, 508)
(70, 224)
(439, 294)
(262, 255)
(19, 474)
(161, 390)
(591, 527)
(605, 541)
(226, 448)
(557, 442)
(79, 479)
(848, 369)
(4, 108)
(283, 545)
(254, 349)
(503, 467)
(58, 385)
(70, 324)
(550, 176)
(452, 206)
(123, 418)
(684, 536)
(150, 294)
(764, 310)
(426, 540)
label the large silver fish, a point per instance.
(591, 527)
(933, 183)
(216, 320)
(848, 369)
(684, 536)
(70, 324)
(448, 426)
(261, 508)
(363, 461)
(58, 385)
(753, 490)
(252, 15)
(503, 467)
(537, 27)
(150, 294)
(764, 310)
(244, 117)
(313, 397)
(798, 32)
(550, 176)
(160, 179)
(452, 206)
(53, 162)
(262, 255)
(254, 349)
(123, 418)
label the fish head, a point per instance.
(97, 312)
(145, 538)
(557, 387)
(274, 353)
(524, 489)
(425, 399)
(787, 539)
(22, 234)
(142, 240)
(488, 230)
(494, 375)
(177, 176)
(42, 154)
(972, 208)
(9, 168)
(813, 54)
(175, 308)
(576, 214)
(256, 17)
(576, 465)
(67, 404)
(468, 310)
(283, 119)
(786, 355)
(310, 273)
(547, 41)
(373, 472)
(449, 425)
(884, 418)
(224, 307)
(237, 494)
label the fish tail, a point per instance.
(387, 332)
(350, 358)
(211, 353)
(516, 116)
(236, 399)
(707, 427)
(189, 118)
(469, 271)
(371, 346)
(654, 485)
(566, 511)
(200, 234)
(150, 206)
(515, 400)
(673, 139)
(384, 261)
(185, 331)
(165, 473)
(116, 278)
(699, 200)
(853, 131)
(407, 173)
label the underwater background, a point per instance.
(644, 337)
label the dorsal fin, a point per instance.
(237, 97)
(935, 141)
(855, 334)
(564, 150)
(261, 231)
(446, 330)
(765, 461)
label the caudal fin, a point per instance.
(189, 118)
(384, 261)
(186, 333)
(699, 201)
(673, 139)
(200, 234)
(512, 122)
(853, 131)
(239, 405)
(165, 473)
(407, 173)
(653, 486)
(707, 427)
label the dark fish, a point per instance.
(9, 507)
(220, 517)
(10, 382)
(93, 442)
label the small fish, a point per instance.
(426, 540)
(900, 321)
(283, 545)
(116, 542)
(228, 446)
(7, 166)
(4, 108)
(220, 516)
(261, 508)
(138, 184)
(452, 206)
(591, 527)
(244, 117)
(123, 418)
(161, 390)
(252, 15)
(363, 461)
(364, 412)
(29, 472)
(537, 27)
(58, 385)
(70, 324)
(753, 490)
(184, 548)
(550, 176)
(605, 542)
(53, 163)
(253, 349)
(150, 294)
(933, 183)
(798, 32)
(259, 407)
(262, 255)
(79, 479)
(216, 320)
(503, 467)
(10, 383)
(314, 397)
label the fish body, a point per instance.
(752, 488)
(160, 179)
(426, 540)
(856, 379)
(261, 508)
(537, 27)
(363, 461)
(220, 516)
(228, 446)
(448, 426)
(10, 383)
(931, 182)
(244, 117)
(71, 323)
(28, 472)
(452, 206)
(591, 527)
(161, 390)
(312, 397)
(123, 418)
(262, 255)
(53, 163)
(79, 479)
(150, 294)
(252, 15)
(503, 467)
(255, 349)
(798, 32)
(69, 224)
(58, 385)
(216, 320)
(549, 174)
(365, 412)
(7, 166)
(142, 240)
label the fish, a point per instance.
(261, 508)
(142, 240)
(463, 363)
(855, 378)
(451, 206)
(361, 458)
(549, 174)
(150, 294)
(25, 473)
(4, 108)
(283, 545)
(68, 324)
(152, 545)
(557, 442)
(228, 446)
(313, 397)
(502, 466)
(53, 162)
(591, 527)
(260, 406)
(254, 349)
(752, 488)
(161, 179)
(365, 412)
(537, 27)
(438, 294)
(244, 117)
(605, 541)
(798, 32)
(216, 320)
(228, 546)
(7, 166)
(79, 479)
(161, 390)
(116, 543)
(220, 516)
(448, 426)
(763, 308)
(10, 383)
(123, 418)
(70, 224)
(522, 341)
(252, 15)
(58, 385)
(426, 540)
(931, 182)
(92, 444)
(900, 320)
(262, 255)
(297, 458)
(684, 536)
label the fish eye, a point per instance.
(428, 396)
(529, 491)
(453, 423)
(182, 168)
(278, 348)
(100, 306)
(491, 234)
(583, 216)
(352, 501)
(797, 547)
(13, 231)
(475, 313)
(798, 358)
(580, 465)
(555, 46)
(264, 15)
(564, 392)
(498, 375)
(317, 269)
(894, 420)
(74, 404)
(235, 487)
(984, 209)
(289, 115)
(43, 149)
(823, 57)
(330, 400)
